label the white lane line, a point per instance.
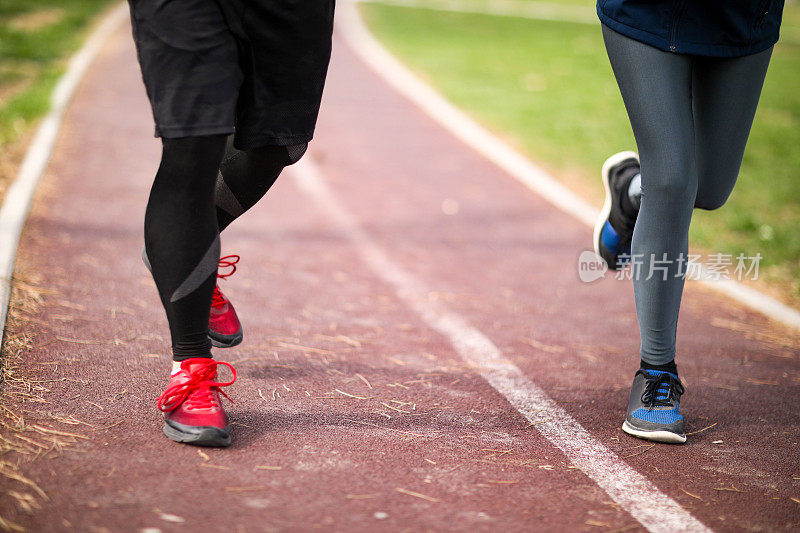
(633, 492)
(18, 197)
(453, 120)
(479, 139)
(505, 8)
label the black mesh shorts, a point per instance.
(253, 67)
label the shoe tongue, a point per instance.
(219, 310)
(662, 392)
(190, 366)
(659, 372)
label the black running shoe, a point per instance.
(653, 407)
(614, 228)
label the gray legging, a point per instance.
(691, 117)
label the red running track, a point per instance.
(351, 412)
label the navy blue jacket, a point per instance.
(723, 28)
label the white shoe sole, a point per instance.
(658, 436)
(606, 210)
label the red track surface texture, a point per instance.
(351, 412)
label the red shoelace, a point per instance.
(229, 261)
(198, 386)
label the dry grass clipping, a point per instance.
(23, 441)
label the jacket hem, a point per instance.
(698, 49)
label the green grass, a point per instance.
(36, 36)
(548, 88)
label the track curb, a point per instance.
(518, 166)
(18, 198)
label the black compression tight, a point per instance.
(190, 203)
(246, 176)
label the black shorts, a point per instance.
(253, 67)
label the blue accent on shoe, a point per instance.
(609, 238)
(657, 416)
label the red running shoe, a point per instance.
(192, 410)
(224, 328)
